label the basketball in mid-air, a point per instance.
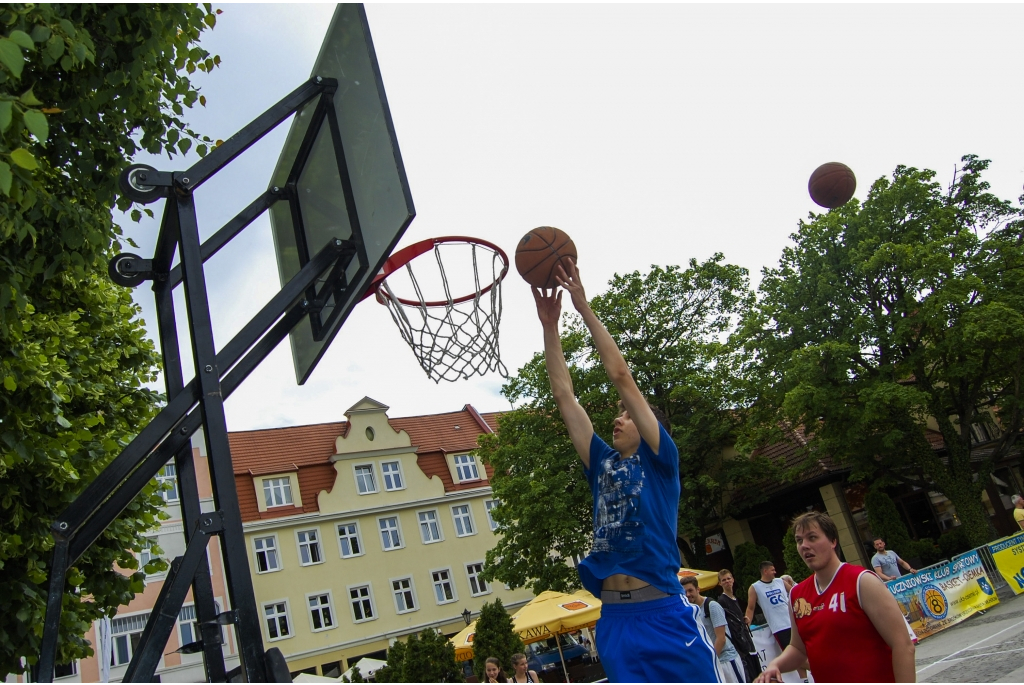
(832, 185)
(540, 252)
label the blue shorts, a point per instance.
(660, 641)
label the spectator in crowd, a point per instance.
(521, 672)
(1018, 510)
(493, 671)
(715, 623)
(739, 633)
(771, 595)
(887, 563)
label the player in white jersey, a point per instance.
(771, 595)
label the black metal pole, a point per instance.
(215, 429)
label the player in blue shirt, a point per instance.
(648, 631)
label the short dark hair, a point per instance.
(722, 572)
(690, 580)
(658, 414)
(767, 564)
(823, 521)
(877, 538)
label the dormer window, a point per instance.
(365, 482)
(465, 467)
(277, 492)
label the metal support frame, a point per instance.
(200, 404)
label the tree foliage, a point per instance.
(885, 522)
(82, 89)
(795, 566)
(747, 558)
(886, 316)
(671, 325)
(495, 637)
(425, 658)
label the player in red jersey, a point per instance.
(846, 622)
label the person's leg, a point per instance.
(673, 644)
(782, 637)
(729, 672)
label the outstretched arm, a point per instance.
(581, 430)
(618, 372)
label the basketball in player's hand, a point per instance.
(832, 185)
(540, 252)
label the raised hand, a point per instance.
(549, 305)
(570, 280)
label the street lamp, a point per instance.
(467, 616)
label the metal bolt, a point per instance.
(319, 79)
(276, 189)
(208, 521)
(209, 368)
(63, 525)
(141, 176)
(184, 430)
(305, 303)
(337, 242)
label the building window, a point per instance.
(444, 589)
(430, 529)
(147, 555)
(392, 472)
(309, 547)
(365, 483)
(278, 625)
(188, 627)
(320, 611)
(465, 467)
(362, 603)
(168, 476)
(266, 554)
(489, 505)
(389, 536)
(277, 492)
(348, 540)
(463, 520)
(477, 585)
(65, 670)
(125, 631)
(404, 599)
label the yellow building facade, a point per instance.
(368, 536)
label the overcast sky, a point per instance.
(651, 134)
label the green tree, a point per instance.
(494, 637)
(82, 89)
(428, 657)
(885, 522)
(393, 671)
(795, 566)
(747, 559)
(357, 677)
(670, 325)
(884, 316)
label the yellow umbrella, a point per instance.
(705, 579)
(464, 642)
(552, 613)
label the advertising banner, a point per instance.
(767, 649)
(1008, 554)
(941, 596)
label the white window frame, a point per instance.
(146, 555)
(369, 596)
(127, 634)
(277, 554)
(75, 671)
(397, 529)
(469, 514)
(329, 606)
(469, 579)
(400, 473)
(472, 463)
(411, 590)
(171, 476)
(437, 520)
(193, 622)
(373, 477)
(319, 545)
(451, 583)
(359, 540)
(270, 491)
(489, 504)
(287, 616)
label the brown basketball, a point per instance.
(832, 185)
(540, 251)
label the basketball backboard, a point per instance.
(340, 175)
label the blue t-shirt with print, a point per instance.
(636, 500)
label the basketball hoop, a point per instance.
(452, 337)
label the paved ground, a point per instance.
(983, 649)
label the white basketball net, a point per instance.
(451, 340)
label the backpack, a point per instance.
(739, 634)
